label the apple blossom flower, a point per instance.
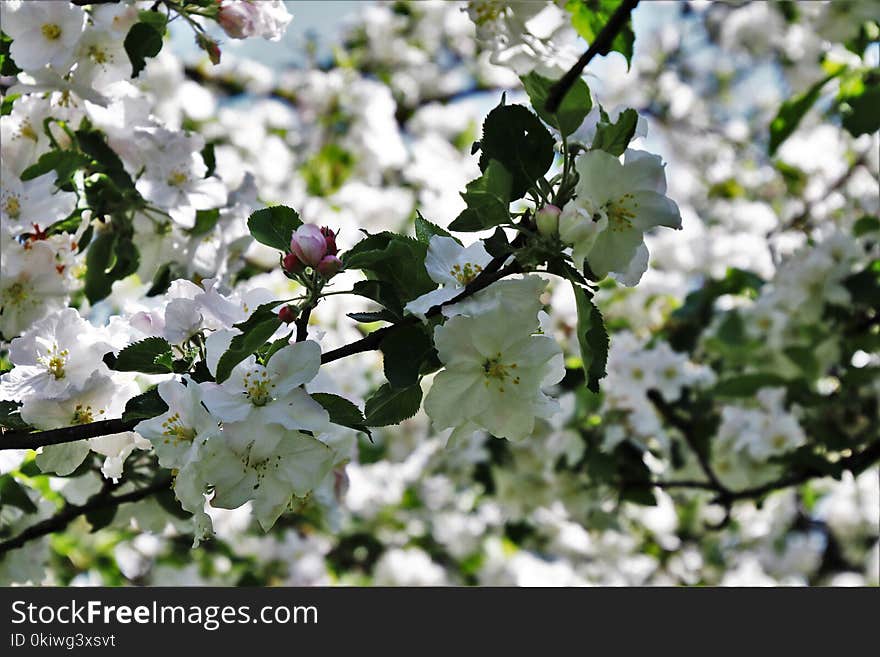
(495, 368)
(309, 244)
(272, 393)
(43, 33)
(241, 19)
(453, 266)
(615, 204)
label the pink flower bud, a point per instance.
(287, 314)
(330, 238)
(329, 266)
(292, 264)
(238, 19)
(309, 244)
(547, 219)
(210, 46)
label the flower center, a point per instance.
(493, 368)
(465, 274)
(174, 429)
(15, 294)
(55, 361)
(98, 55)
(621, 213)
(177, 178)
(12, 206)
(84, 414)
(257, 386)
(486, 11)
(778, 441)
(27, 130)
(51, 31)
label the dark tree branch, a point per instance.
(26, 440)
(101, 500)
(602, 43)
(687, 430)
(302, 324)
(488, 276)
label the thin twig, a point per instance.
(601, 43)
(33, 440)
(60, 520)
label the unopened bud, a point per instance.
(330, 239)
(329, 266)
(309, 244)
(292, 264)
(547, 219)
(210, 46)
(287, 314)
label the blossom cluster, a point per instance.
(144, 282)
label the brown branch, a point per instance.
(33, 440)
(602, 43)
(70, 512)
(687, 430)
(488, 276)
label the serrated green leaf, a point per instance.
(517, 139)
(146, 405)
(143, 40)
(573, 109)
(488, 200)
(404, 350)
(389, 405)
(382, 293)
(98, 264)
(150, 356)
(205, 222)
(255, 332)
(342, 411)
(274, 226)
(398, 261)
(614, 137)
(425, 230)
(592, 338)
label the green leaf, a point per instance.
(7, 66)
(383, 315)
(342, 411)
(614, 137)
(792, 111)
(14, 494)
(517, 139)
(146, 405)
(63, 163)
(382, 293)
(396, 260)
(98, 264)
(592, 338)
(573, 109)
(859, 104)
(205, 222)
(425, 230)
(274, 226)
(93, 144)
(10, 418)
(143, 40)
(588, 17)
(6, 105)
(255, 332)
(155, 18)
(389, 405)
(150, 356)
(100, 518)
(488, 200)
(866, 225)
(404, 350)
(747, 385)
